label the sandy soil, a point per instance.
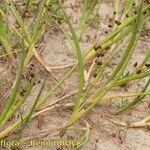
(104, 134)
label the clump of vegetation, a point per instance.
(126, 30)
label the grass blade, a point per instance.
(26, 120)
(116, 74)
(80, 62)
(136, 100)
(15, 88)
(4, 38)
(18, 103)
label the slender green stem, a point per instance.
(80, 62)
(12, 97)
(137, 99)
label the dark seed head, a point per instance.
(30, 80)
(144, 12)
(147, 1)
(32, 65)
(135, 64)
(123, 85)
(96, 47)
(106, 32)
(32, 75)
(99, 54)
(114, 12)
(107, 48)
(31, 68)
(99, 63)
(95, 75)
(22, 92)
(139, 71)
(147, 65)
(15, 55)
(110, 26)
(117, 22)
(127, 15)
(133, 4)
(23, 4)
(110, 19)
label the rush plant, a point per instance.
(124, 35)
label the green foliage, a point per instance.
(4, 37)
(128, 31)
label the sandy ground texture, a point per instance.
(104, 135)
